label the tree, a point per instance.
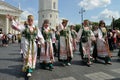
(77, 27)
(95, 23)
(116, 23)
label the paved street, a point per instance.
(11, 64)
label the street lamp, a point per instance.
(81, 12)
(112, 23)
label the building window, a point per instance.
(43, 16)
(0, 29)
(54, 5)
(50, 15)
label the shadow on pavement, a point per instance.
(14, 53)
(14, 70)
(116, 60)
(114, 79)
(11, 59)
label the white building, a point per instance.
(48, 9)
(6, 9)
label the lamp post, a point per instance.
(112, 22)
(81, 12)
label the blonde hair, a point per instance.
(30, 17)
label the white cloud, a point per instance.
(91, 4)
(29, 12)
(107, 14)
(25, 14)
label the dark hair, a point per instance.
(101, 22)
(45, 22)
(110, 30)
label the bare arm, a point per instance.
(79, 34)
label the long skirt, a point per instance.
(64, 49)
(29, 55)
(46, 54)
(101, 48)
(86, 49)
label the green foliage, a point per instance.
(95, 23)
(77, 27)
(116, 23)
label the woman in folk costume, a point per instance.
(31, 32)
(95, 31)
(57, 35)
(65, 53)
(118, 41)
(74, 36)
(103, 51)
(86, 36)
(1, 35)
(46, 54)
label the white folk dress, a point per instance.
(29, 45)
(86, 46)
(65, 43)
(46, 54)
(102, 44)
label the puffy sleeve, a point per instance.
(17, 26)
(40, 36)
(92, 37)
(100, 35)
(60, 27)
(79, 34)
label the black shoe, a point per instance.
(88, 65)
(50, 69)
(95, 61)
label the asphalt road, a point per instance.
(11, 64)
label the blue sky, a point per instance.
(95, 10)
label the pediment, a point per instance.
(7, 7)
(3, 7)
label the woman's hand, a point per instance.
(10, 17)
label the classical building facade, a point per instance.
(7, 9)
(48, 9)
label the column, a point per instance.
(6, 26)
(18, 19)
